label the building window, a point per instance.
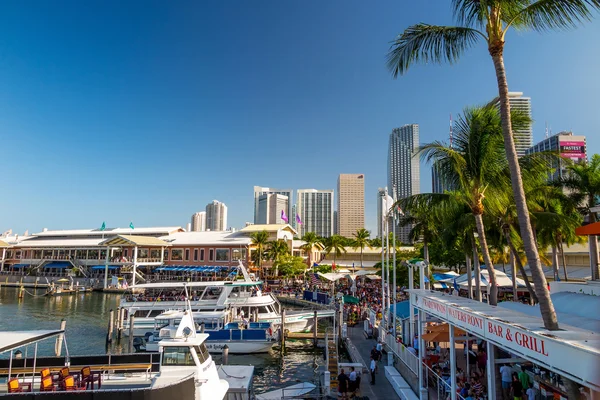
(142, 253)
(222, 255)
(93, 255)
(177, 255)
(211, 254)
(201, 254)
(155, 253)
(103, 254)
(195, 254)
(126, 253)
(166, 258)
(238, 254)
(187, 254)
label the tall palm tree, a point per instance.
(489, 20)
(361, 239)
(335, 245)
(310, 241)
(276, 250)
(476, 166)
(259, 241)
(583, 182)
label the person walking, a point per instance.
(372, 369)
(352, 385)
(517, 387)
(506, 372)
(343, 384)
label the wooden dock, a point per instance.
(304, 335)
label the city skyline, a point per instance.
(144, 91)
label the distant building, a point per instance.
(404, 168)
(270, 207)
(216, 216)
(336, 229)
(293, 218)
(259, 191)
(523, 137)
(199, 221)
(438, 183)
(315, 208)
(567, 145)
(350, 204)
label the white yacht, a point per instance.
(242, 297)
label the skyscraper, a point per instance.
(315, 208)
(438, 182)
(523, 137)
(259, 190)
(567, 145)
(270, 207)
(350, 204)
(403, 168)
(216, 216)
(199, 221)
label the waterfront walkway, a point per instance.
(382, 389)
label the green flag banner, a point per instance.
(131, 225)
(103, 227)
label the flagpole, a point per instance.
(387, 240)
(394, 263)
(383, 229)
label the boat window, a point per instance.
(177, 356)
(202, 353)
(264, 310)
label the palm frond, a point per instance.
(545, 15)
(429, 43)
(469, 12)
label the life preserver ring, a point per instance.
(270, 332)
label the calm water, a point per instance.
(87, 314)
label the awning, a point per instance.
(373, 277)
(20, 265)
(60, 265)
(178, 268)
(133, 240)
(3, 244)
(10, 340)
(590, 229)
(102, 267)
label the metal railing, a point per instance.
(401, 351)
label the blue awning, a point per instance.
(102, 267)
(60, 265)
(20, 265)
(402, 309)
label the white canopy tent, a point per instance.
(502, 280)
(335, 276)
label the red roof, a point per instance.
(591, 229)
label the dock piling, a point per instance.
(315, 329)
(111, 319)
(202, 327)
(225, 355)
(21, 292)
(59, 338)
(131, 321)
(121, 323)
(282, 329)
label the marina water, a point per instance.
(87, 320)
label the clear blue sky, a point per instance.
(145, 111)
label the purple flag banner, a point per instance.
(284, 217)
(298, 220)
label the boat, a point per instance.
(185, 369)
(243, 296)
(290, 392)
(65, 287)
(254, 337)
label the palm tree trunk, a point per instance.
(477, 270)
(555, 263)
(595, 269)
(513, 272)
(469, 276)
(564, 261)
(531, 251)
(426, 257)
(361, 258)
(521, 269)
(492, 287)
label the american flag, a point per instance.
(314, 279)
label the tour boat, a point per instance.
(255, 337)
(241, 296)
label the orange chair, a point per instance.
(47, 385)
(64, 372)
(69, 384)
(15, 386)
(89, 377)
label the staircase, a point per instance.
(80, 267)
(332, 359)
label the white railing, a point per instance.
(408, 358)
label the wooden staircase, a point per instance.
(332, 361)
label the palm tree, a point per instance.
(310, 241)
(335, 245)
(259, 241)
(490, 20)
(277, 249)
(583, 182)
(361, 239)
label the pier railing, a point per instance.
(401, 351)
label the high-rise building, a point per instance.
(292, 218)
(270, 207)
(315, 208)
(403, 168)
(216, 216)
(524, 136)
(199, 221)
(259, 190)
(567, 145)
(350, 204)
(336, 225)
(438, 183)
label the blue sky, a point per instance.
(146, 111)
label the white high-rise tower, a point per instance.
(216, 216)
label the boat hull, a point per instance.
(235, 347)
